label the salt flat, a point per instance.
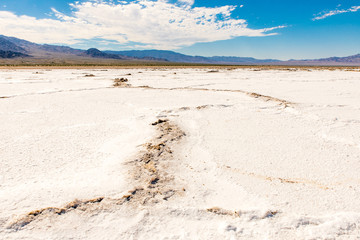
(237, 154)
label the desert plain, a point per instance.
(180, 153)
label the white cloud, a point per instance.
(187, 2)
(156, 24)
(335, 12)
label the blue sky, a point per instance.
(256, 28)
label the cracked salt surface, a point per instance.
(266, 154)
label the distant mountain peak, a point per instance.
(94, 52)
(91, 51)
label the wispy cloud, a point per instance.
(156, 24)
(323, 15)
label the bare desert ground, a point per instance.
(180, 153)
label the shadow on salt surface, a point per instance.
(336, 139)
(54, 91)
(23, 81)
(190, 223)
(344, 224)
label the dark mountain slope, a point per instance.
(6, 45)
(11, 54)
(39, 50)
(32, 53)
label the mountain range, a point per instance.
(19, 51)
(178, 57)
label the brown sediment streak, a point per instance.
(282, 180)
(225, 212)
(149, 175)
(33, 215)
(200, 107)
(149, 167)
(251, 94)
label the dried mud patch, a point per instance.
(213, 71)
(121, 82)
(89, 75)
